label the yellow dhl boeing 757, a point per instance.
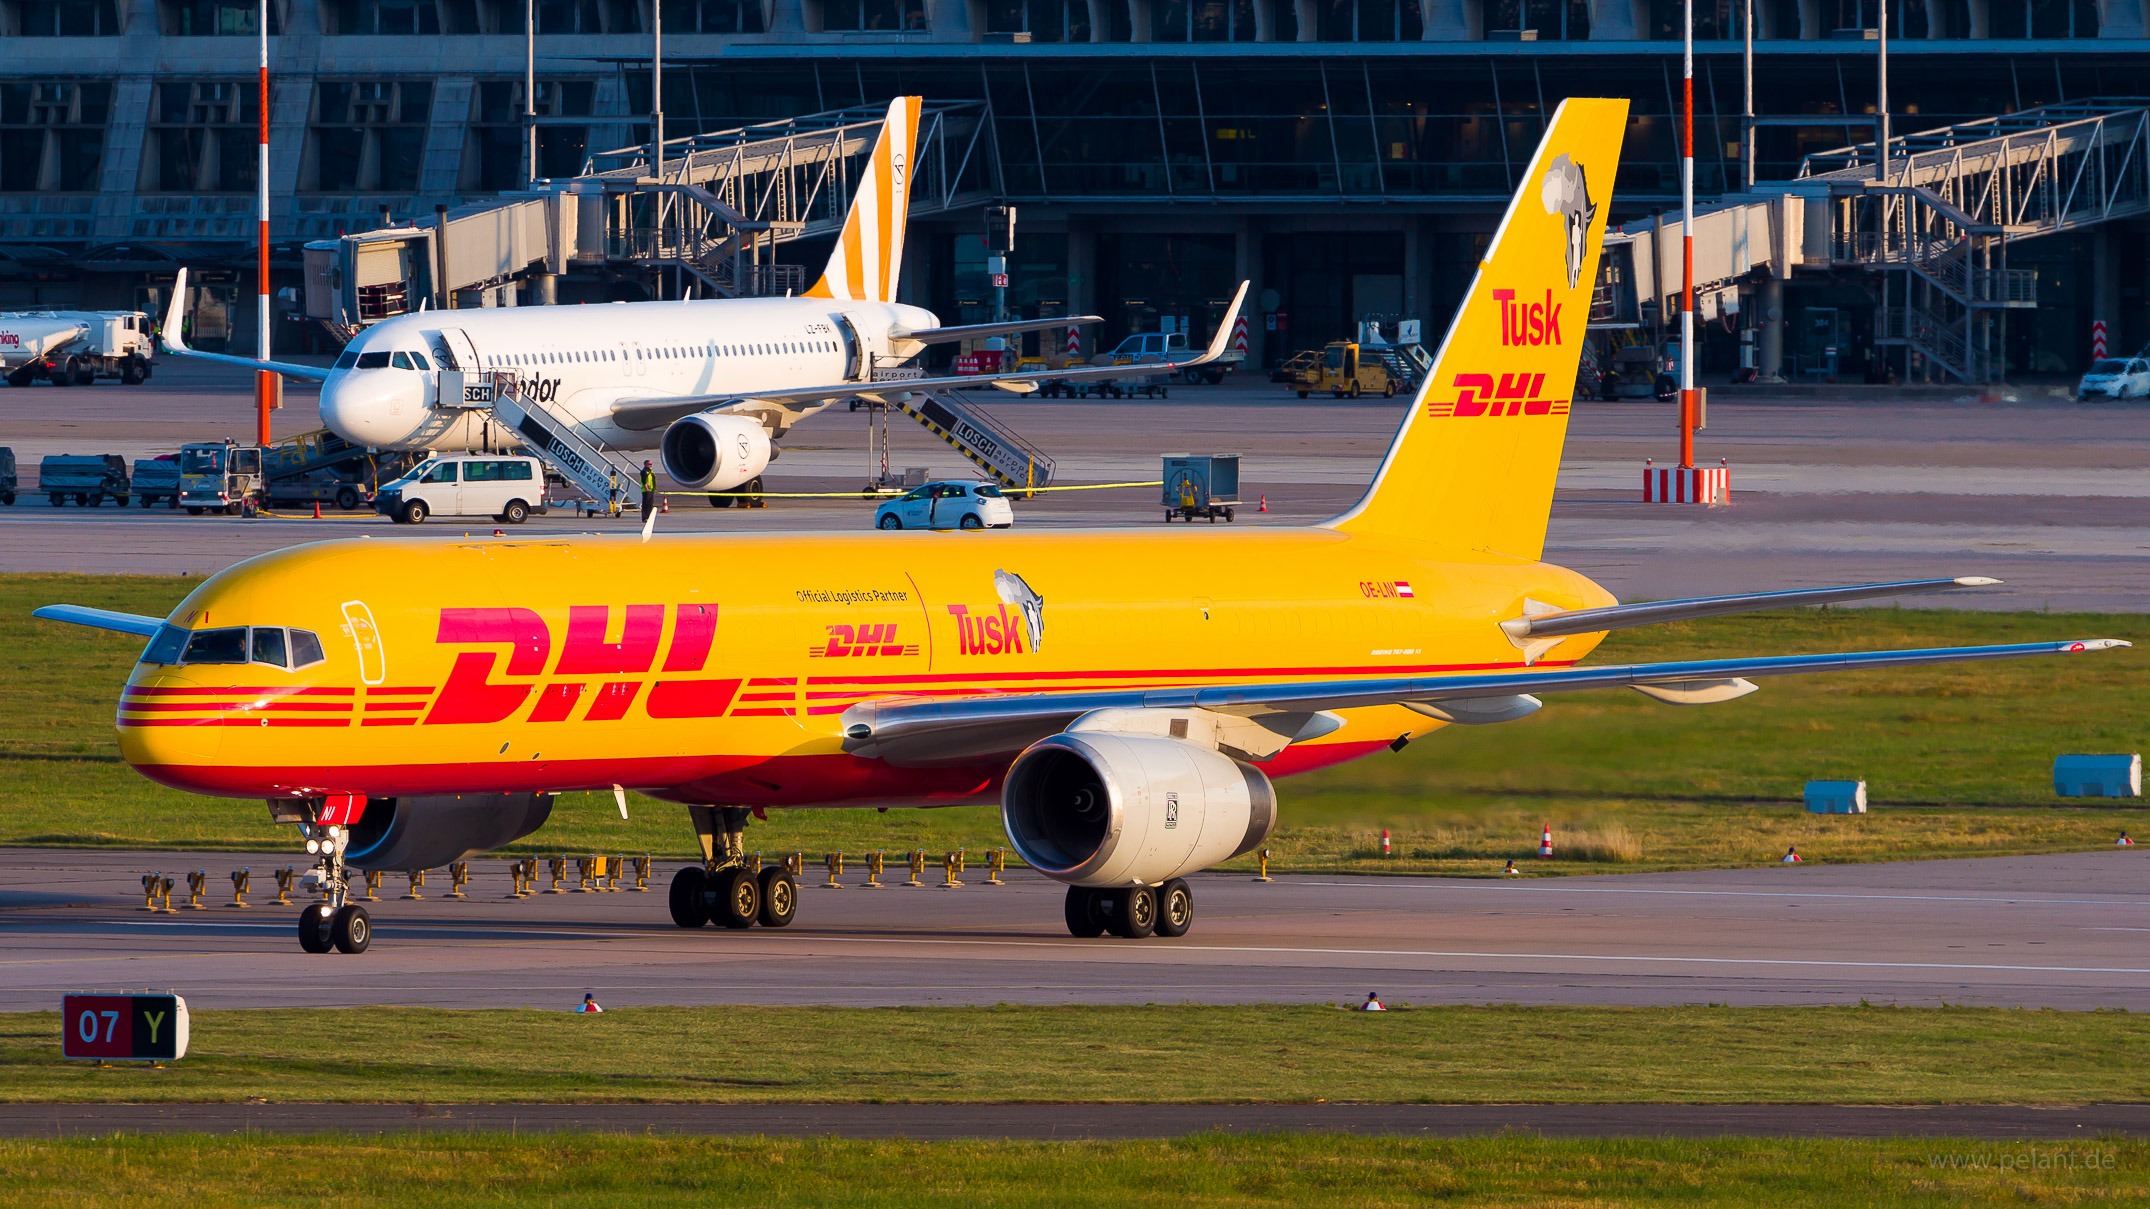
(1127, 695)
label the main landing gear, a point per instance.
(339, 923)
(1133, 912)
(722, 889)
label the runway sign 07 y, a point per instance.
(124, 1028)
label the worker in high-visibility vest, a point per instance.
(649, 488)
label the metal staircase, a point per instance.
(569, 448)
(1954, 198)
(970, 430)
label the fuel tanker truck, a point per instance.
(74, 348)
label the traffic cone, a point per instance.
(1545, 844)
(1265, 505)
(664, 505)
(317, 509)
(1384, 841)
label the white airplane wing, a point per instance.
(175, 342)
(945, 335)
(643, 414)
(923, 730)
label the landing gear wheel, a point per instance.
(350, 929)
(688, 908)
(1082, 915)
(779, 897)
(1175, 908)
(738, 898)
(1132, 912)
(753, 500)
(313, 930)
(892, 521)
(720, 501)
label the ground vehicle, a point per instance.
(1171, 348)
(75, 348)
(7, 476)
(1346, 374)
(507, 489)
(225, 477)
(1201, 484)
(1301, 367)
(947, 505)
(157, 479)
(87, 479)
(2115, 378)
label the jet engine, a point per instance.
(401, 834)
(713, 451)
(1100, 808)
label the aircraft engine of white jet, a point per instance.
(714, 451)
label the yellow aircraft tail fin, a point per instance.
(1472, 467)
(868, 256)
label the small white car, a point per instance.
(967, 505)
(2114, 378)
(507, 489)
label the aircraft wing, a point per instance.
(102, 619)
(913, 731)
(644, 414)
(945, 335)
(175, 342)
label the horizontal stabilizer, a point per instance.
(102, 619)
(973, 331)
(1538, 622)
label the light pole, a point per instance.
(656, 90)
(1746, 134)
(265, 381)
(1881, 116)
(1687, 236)
(530, 139)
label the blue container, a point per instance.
(2113, 776)
(1836, 797)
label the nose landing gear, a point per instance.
(339, 923)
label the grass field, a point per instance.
(1958, 760)
(1219, 1170)
(1107, 1055)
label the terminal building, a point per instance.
(1351, 157)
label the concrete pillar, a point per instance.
(1444, 21)
(1414, 267)
(544, 289)
(1811, 22)
(1303, 11)
(2120, 18)
(1101, 20)
(1980, 15)
(1769, 338)
(1613, 21)
(2105, 288)
(1247, 266)
(1082, 282)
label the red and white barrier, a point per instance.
(976, 363)
(1686, 484)
(1239, 334)
(1545, 843)
(1074, 349)
(2097, 339)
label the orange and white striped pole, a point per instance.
(1688, 409)
(264, 380)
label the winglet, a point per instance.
(175, 317)
(1223, 336)
(2094, 644)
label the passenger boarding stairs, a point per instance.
(568, 447)
(975, 433)
(1939, 221)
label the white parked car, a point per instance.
(2114, 378)
(505, 488)
(947, 506)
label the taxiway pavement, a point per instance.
(2062, 931)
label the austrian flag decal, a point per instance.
(1403, 588)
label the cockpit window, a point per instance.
(217, 646)
(305, 648)
(401, 360)
(373, 361)
(349, 359)
(165, 647)
(269, 646)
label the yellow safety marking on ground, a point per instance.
(862, 496)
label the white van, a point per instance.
(505, 488)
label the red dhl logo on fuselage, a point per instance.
(592, 679)
(865, 639)
(1528, 323)
(1512, 395)
(988, 633)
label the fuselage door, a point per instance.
(854, 357)
(462, 354)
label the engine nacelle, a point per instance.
(1105, 808)
(401, 834)
(712, 451)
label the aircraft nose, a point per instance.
(162, 731)
(373, 407)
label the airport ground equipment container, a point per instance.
(2119, 775)
(1346, 370)
(7, 476)
(156, 481)
(87, 479)
(1201, 485)
(1836, 797)
(75, 348)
